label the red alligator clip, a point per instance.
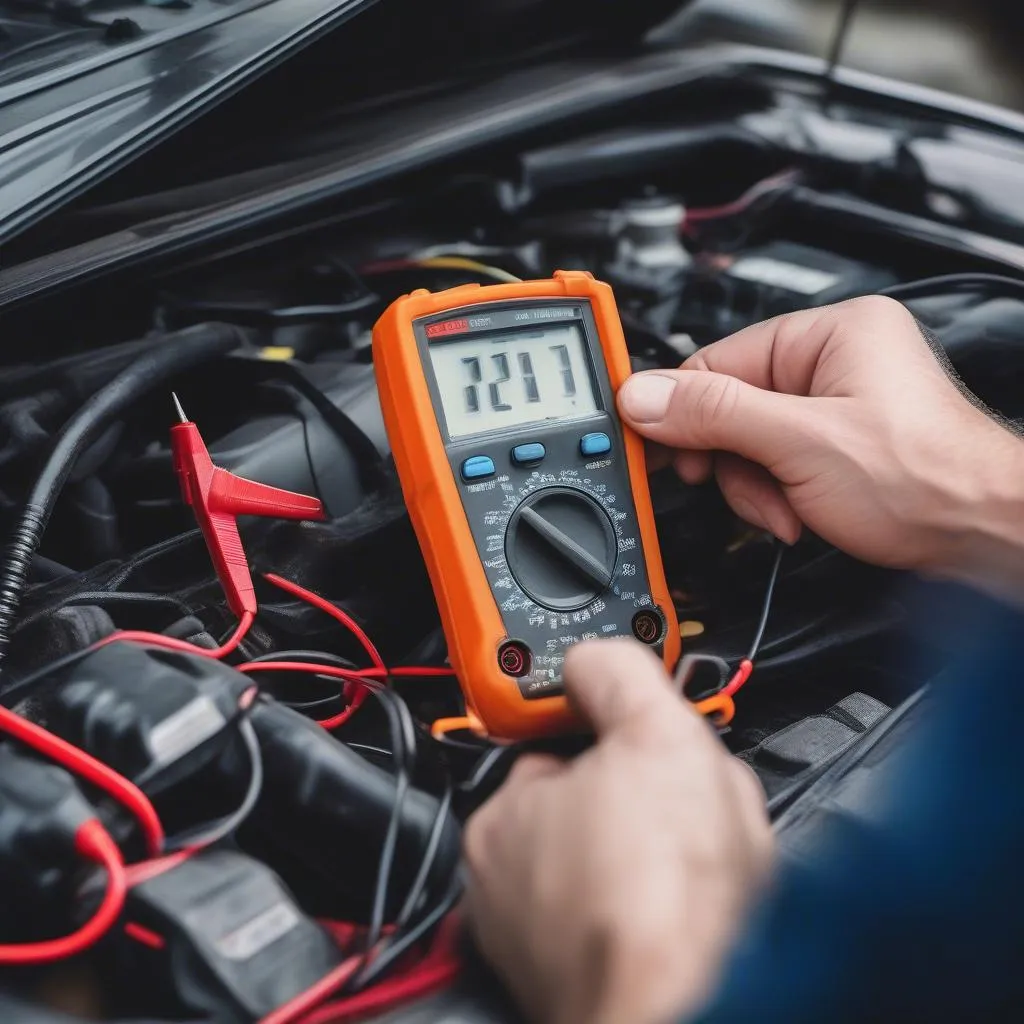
(218, 497)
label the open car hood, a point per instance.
(83, 91)
(74, 122)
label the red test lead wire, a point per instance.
(421, 671)
(378, 670)
(355, 677)
(417, 984)
(334, 611)
(218, 498)
(739, 678)
(171, 643)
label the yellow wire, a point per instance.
(464, 263)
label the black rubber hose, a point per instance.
(175, 354)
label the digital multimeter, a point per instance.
(528, 495)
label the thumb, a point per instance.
(699, 410)
(620, 685)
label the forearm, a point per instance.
(983, 522)
(919, 876)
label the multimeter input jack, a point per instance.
(514, 658)
(648, 626)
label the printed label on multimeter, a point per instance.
(523, 401)
(528, 496)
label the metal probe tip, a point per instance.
(178, 409)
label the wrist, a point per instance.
(667, 972)
(983, 522)
(653, 996)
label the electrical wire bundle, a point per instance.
(417, 917)
(423, 905)
(187, 349)
(386, 943)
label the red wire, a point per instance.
(335, 612)
(304, 1001)
(96, 772)
(357, 631)
(438, 968)
(93, 843)
(704, 213)
(355, 676)
(170, 643)
(422, 670)
(92, 770)
(350, 675)
(147, 869)
(138, 932)
(338, 720)
(378, 671)
(739, 678)
(381, 998)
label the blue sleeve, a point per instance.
(917, 915)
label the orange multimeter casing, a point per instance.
(528, 495)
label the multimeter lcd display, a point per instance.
(513, 378)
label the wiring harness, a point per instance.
(401, 942)
(399, 917)
(149, 371)
(397, 922)
(44, 820)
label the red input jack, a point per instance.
(514, 658)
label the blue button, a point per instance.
(477, 467)
(527, 453)
(595, 444)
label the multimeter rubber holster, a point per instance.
(528, 495)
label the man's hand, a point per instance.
(843, 419)
(608, 890)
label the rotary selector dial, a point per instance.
(561, 548)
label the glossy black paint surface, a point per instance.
(66, 128)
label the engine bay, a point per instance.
(723, 226)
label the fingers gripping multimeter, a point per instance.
(528, 495)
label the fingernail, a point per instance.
(779, 520)
(645, 397)
(785, 529)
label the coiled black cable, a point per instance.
(178, 353)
